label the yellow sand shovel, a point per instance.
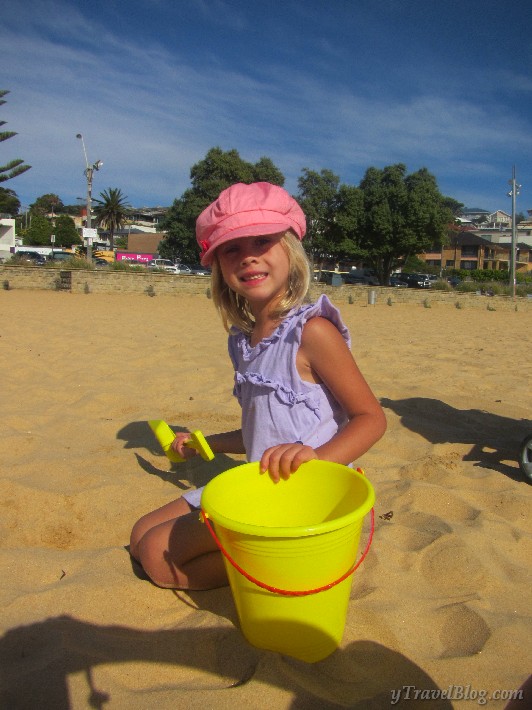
(165, 436)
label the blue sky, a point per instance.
(343, 85)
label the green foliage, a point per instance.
(403, 215)
(441, 285)
(467, 287)
(111, 211)
(66, 234)
(47, 204)
(333, 213)
(9, 202)
(209, 177)
(126, 266)
(14, 167)
(75, 262)
(39, 232)
(524, 288)
(483, 275)
(414, 265)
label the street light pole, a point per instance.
(88, 172)
(513, 194)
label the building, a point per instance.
(471, 250)
(7, 237)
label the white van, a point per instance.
(164, 264)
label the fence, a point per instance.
(156, 283)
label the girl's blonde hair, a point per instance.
(234, 309)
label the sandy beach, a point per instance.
(442, 603)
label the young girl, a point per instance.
(301, 392)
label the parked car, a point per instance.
(199, 270)
(416, 280)
(31, 257)
(164, 264)
(331, 278)
(361, 276)
(454, 281)
(397, 281)
(61, 256)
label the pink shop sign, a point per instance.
(131, 256)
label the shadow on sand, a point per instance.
(196, 471)
(493, 438)
(37, 660)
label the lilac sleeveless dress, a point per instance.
(279, 407)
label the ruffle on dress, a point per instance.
(286, 395)
(322, 307)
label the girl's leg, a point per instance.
(181, 554)
(170, 511)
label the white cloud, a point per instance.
(150, 112)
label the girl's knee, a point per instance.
(137, 533)
(155, 561)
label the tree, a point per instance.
(39, 232)
(403, 215)
(208, 177)
(9, 202)
(14, 167)
(66, 234)
(47, 204)
(111, 211)
(333, 213)
(317, 197)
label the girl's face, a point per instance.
(257, 268)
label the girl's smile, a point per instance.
(257, 268)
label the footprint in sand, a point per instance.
(417, 530)
(451, 568)
(462, 632)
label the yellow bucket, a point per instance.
(290, 550)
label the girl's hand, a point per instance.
(178, 445)
(282, 460)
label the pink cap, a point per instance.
(247, 211)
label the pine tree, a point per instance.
(14, 167)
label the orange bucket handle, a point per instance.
(286, 592)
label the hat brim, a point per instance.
(250, 230)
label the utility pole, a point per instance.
(88, 172)
(513, 194)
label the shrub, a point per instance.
(466, 287)
(75, 263)
(441, 285)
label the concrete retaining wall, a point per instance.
(155, 283)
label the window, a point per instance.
(469, 250)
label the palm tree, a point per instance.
(111, 211)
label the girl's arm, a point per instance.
(229, 442)
(324, 357)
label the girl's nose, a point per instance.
(248, 255)
(246, 259)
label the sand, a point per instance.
(442, 602)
